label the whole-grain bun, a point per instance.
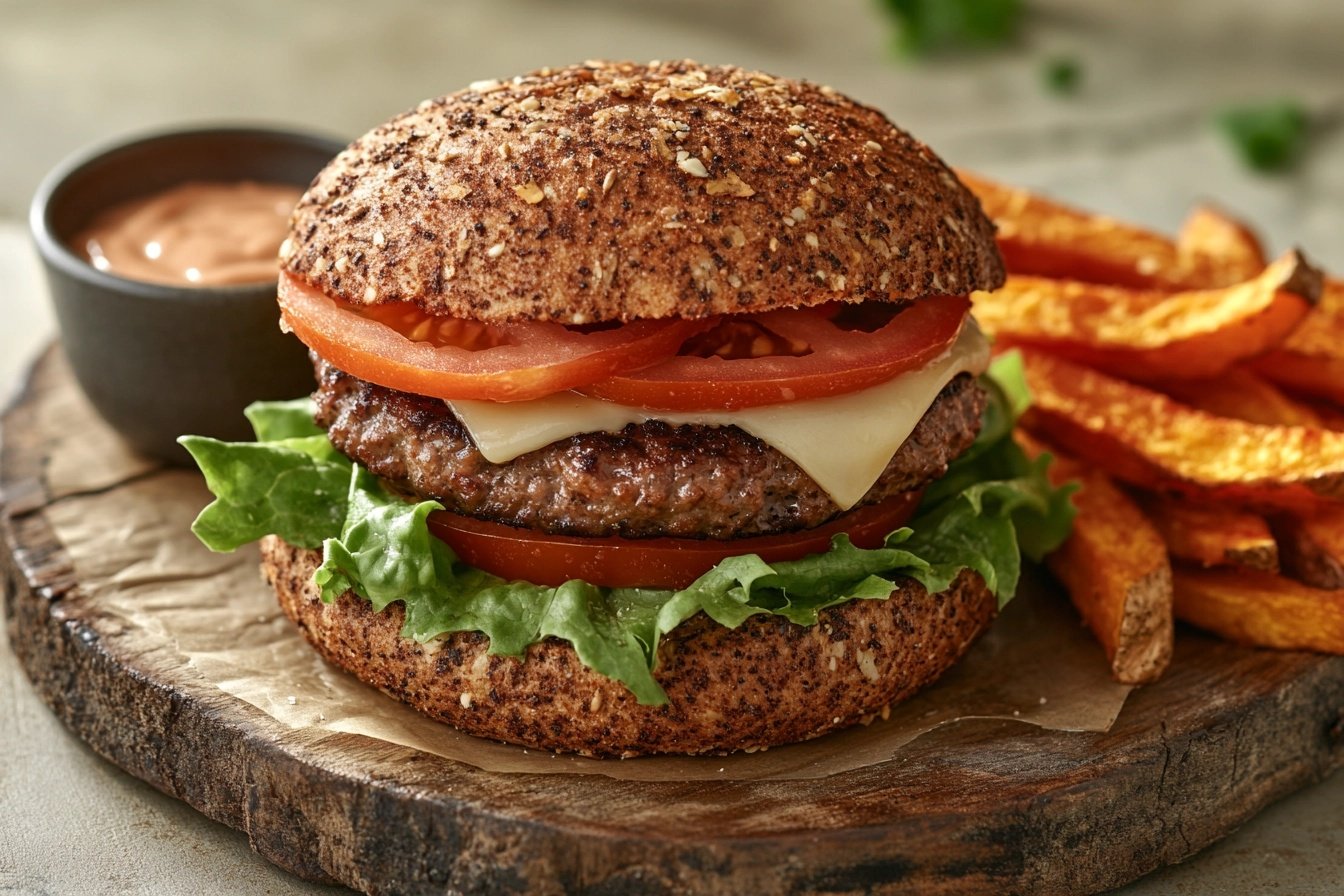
(613, 191)
(764, 683)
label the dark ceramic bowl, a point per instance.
(158, 361)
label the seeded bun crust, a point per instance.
(764, 683)
(613, 191)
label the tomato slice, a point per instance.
(401, 347)
(827, 353)
(675, 563)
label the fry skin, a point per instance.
(1145, 438)
(1243, 395)
(1220, 246)
(1153, 335)
(1260, 609)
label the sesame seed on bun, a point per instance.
(615, 191)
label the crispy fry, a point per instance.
(1148, 334)
(1223, 248)
(1311, 359)
(1211, 536)
(1312, 546)
(1041, 237)
(1243, 395)
(1149, 440)
(1115, 569)
(1261, 609)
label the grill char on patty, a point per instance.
(650, 479)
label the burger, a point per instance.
(649, 415)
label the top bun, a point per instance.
(614, 191)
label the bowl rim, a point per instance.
(55, 252)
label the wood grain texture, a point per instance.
(984, 807)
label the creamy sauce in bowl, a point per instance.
(194, 234)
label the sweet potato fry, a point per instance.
(1243, 395)
(1116, 571)
(1312, 546)
(1149, 334)
(1311, 358)
(1261, 609)
(1147, 439)
(1038, 236)
(1041, 237)
(1211, 536)
(1222, 249)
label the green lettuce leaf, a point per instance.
(294, 488)
(274, 421)
(377, 544)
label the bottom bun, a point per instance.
(765, 683)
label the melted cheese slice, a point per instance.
(843, 442)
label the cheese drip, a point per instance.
(844, 442)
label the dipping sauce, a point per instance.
(193, 234)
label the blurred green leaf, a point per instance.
(1062, 74)
(929, 26)
(1268, 136)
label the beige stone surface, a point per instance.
(1136, 140)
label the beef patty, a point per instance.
(649, 479)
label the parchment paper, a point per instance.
(125, 524)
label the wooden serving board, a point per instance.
(976, 807)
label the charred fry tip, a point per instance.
(1303, 279)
